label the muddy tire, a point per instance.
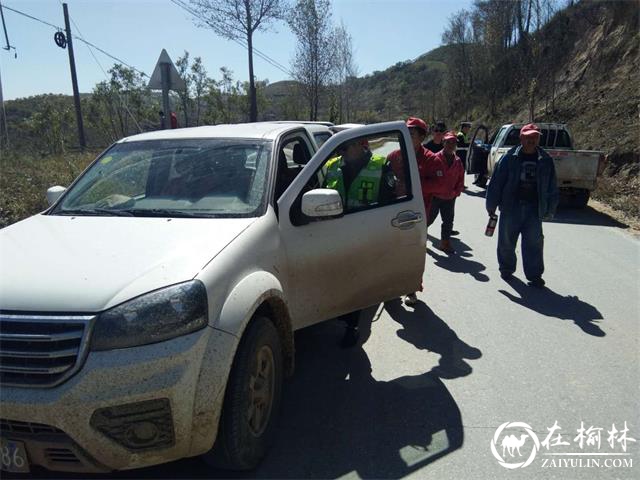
(252, 399)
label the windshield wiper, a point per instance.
(102, 212)
(162, 212)
(116, 212)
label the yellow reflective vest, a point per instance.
(364, 188)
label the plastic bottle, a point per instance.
(491, 225)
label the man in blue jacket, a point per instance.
(524, 187)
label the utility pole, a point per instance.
(3, 120)
(5, 129)
(74, 79)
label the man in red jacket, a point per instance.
(444, 179)
(418, 130)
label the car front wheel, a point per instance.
(252, 399)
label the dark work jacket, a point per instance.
(505, 180)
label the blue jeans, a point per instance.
(521, 220)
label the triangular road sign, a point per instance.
(175, 81)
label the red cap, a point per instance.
(530, 129)
(449, 136)
(413, 122)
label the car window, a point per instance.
(178, 177)
(563, 140)
(321, 137)
(544, 135)
(368, 172)
(497, 138)
(551, 141)
(513, 138)
(293, 154)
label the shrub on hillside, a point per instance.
(24, 180)
(621, 191)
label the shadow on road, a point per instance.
(338, 419)
(586, 216)
(550, 304)
(458, 262)
(427, 331)
(475, 193)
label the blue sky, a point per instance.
(384, 32)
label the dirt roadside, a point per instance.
(632, 223)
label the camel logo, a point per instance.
(513, 443)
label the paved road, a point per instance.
(425, 394)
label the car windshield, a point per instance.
(174, 178)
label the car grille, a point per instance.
(65, 456)
(41, 350)
(15, 426)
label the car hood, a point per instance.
(89, 264)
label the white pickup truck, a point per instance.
(577, 170)
(148, 314)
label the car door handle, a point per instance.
(406, 219)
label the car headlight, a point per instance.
(153, 317)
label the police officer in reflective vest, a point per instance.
(362, 179)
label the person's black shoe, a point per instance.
(351, 336)
(536, 282)
(506, 275)
(455, 232)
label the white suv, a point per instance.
(148, 315)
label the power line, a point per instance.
(110, 56)
(122, 102)
(262, 55)
(77, 38)
(32, 18)
(182, 5)
(90, 45)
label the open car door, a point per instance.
(344, 257)
(478, 155)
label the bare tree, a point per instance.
(313, 64)
(239, 20)
(459, 34)
(229, 95)
(346, 70)
(184, 94)
(201, 82)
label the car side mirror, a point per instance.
(322, 202)
(53, 194)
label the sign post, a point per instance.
(165, 77)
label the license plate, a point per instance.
(13, 456)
